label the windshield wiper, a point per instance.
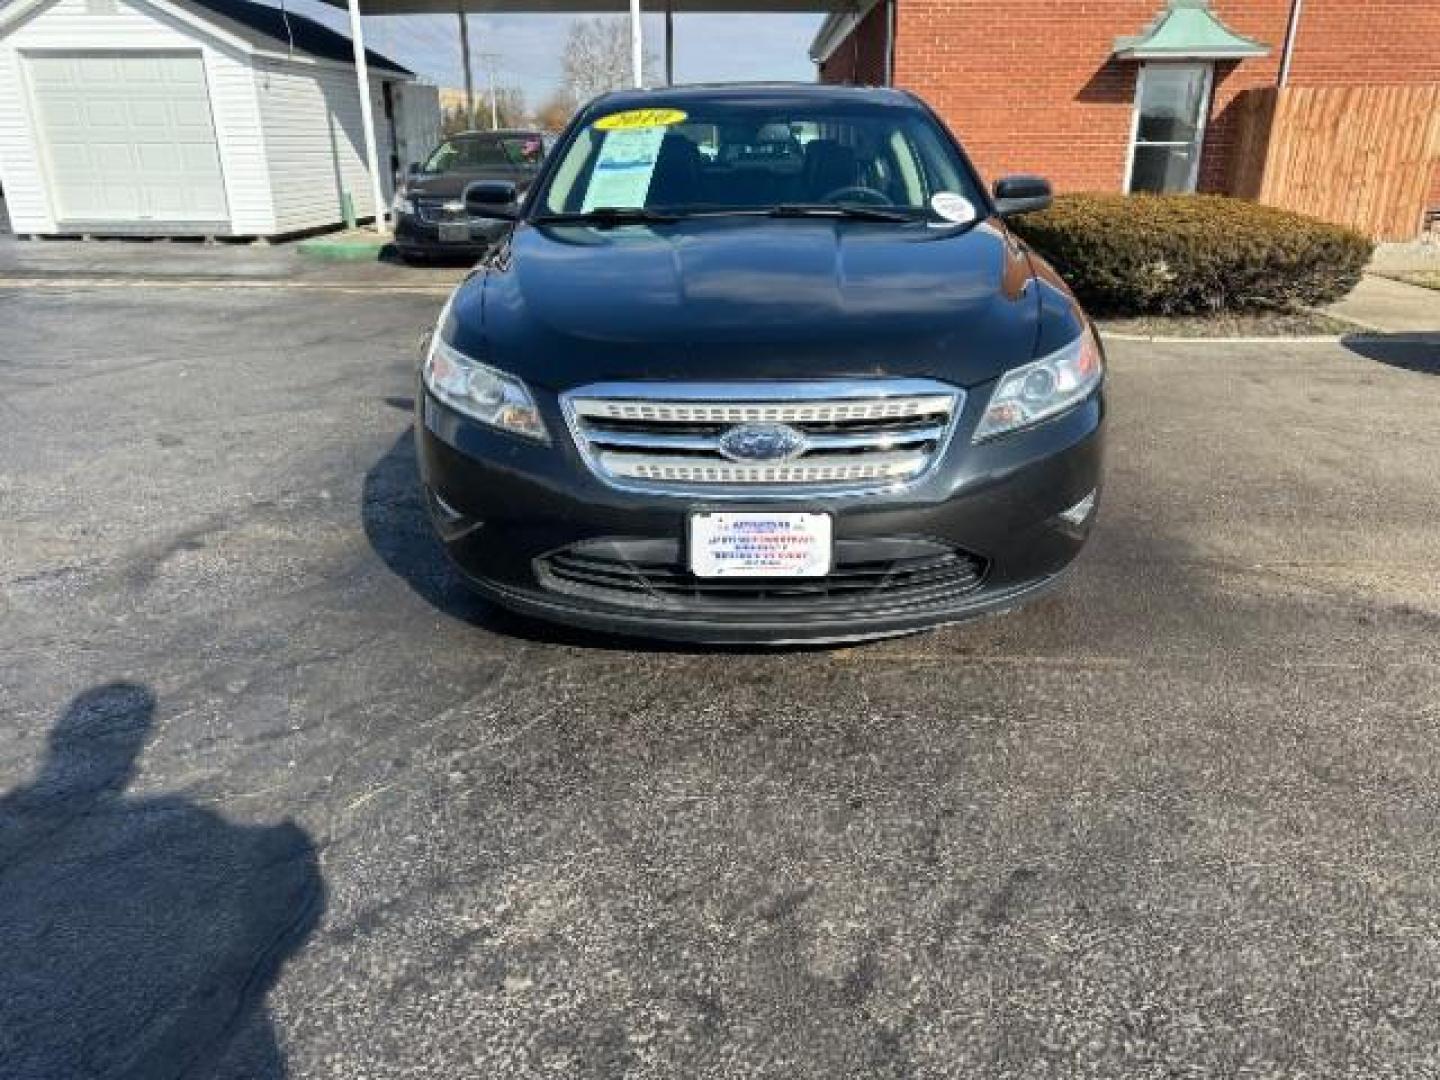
(846, 210)
(605, 215)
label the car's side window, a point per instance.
(524, 151)
(442, 159)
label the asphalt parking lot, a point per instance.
(278, 798)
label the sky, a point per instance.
(708, 48)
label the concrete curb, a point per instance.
(74, 282)
(1331, 339)
(1360, 333)
(377, 287)
(350, 249)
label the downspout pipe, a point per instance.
(889, 42)
(1288, 51)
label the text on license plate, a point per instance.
(760, 545)
(452, 232)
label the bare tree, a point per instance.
(509, 112)
(509, 109)
(453, 120)
(555, 111)
(597, 57)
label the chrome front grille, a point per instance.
(746, 438)
(432, 210)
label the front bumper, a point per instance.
(505, 507)
(416, 237)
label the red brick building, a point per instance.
(1112, 95)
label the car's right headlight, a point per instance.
(403, 204)
(1043, 388)
(480, 391)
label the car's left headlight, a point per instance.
(480, 391)
(1043, 388)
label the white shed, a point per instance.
(191, 117)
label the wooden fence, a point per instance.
(1363, 156)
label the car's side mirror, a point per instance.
(491, 199)
(1021, 195)
(412, 170)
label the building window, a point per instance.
(1172, 103)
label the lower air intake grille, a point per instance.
(889, 573)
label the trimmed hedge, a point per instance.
(1193, 254)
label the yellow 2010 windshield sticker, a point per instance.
(640, 118)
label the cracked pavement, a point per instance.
(1177, 819)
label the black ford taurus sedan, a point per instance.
(761, 364)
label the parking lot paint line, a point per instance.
(356, 803)
(226, 284)
(862, 654)
(1308, 340)
(444, 289)
(1115, 663)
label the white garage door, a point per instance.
(128, 138)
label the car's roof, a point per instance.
(769, 93)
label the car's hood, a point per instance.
(452, 184)
(735, 298)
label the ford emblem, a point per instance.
(762, 443)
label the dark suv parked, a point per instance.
(430, 215)
(761, 364)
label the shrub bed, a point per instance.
(1192, 254)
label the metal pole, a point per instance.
(637, 44)
(494, 104)
(1291, 31)
(367, 114)
(890, 43)
(669, 42)
(465, 63)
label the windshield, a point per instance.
(485, 152)
(758, 155)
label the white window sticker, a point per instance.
(953, 207)
(622, 173)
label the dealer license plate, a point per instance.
(760, 545)
(454, 232)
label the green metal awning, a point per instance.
(1188, 30)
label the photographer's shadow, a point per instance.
(139, 936)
